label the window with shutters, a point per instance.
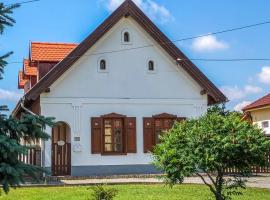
(161, 125)
(115, 134)
(155, 126)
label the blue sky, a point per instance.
(72, 21)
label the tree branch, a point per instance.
(205, 182)
(211, 178)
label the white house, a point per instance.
(112, 95)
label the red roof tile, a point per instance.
(45, 51)
(21, 80)
(264, 101)
(29, 70)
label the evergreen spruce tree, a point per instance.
(12, 131)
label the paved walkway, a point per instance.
(258, 181)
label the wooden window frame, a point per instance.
(162, 116)
(113, 116)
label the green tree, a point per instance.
(208, 146)
(13, 131)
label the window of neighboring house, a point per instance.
(102, 65)
(265, 124)
(113, 136)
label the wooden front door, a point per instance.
(61, 150)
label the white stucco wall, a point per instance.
(127, 88)
(261, 115)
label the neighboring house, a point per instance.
(112, 95)
(258, 113)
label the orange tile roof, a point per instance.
(21, 81)
(52, 52)
(29, 70)
(264, 101)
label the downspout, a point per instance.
(43, 142)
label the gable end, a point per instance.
(128, 9)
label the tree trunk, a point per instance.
(219, 184)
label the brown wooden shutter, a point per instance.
(148, 134)
(96, 124)
(131, 145)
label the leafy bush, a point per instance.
(211, 144)
(102, 193)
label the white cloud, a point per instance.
(235, 93)
(241, 105)
(250, 89)
(208, 43)
(154, 10)
(9, 95)
(264, 75)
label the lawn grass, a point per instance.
(129, 192)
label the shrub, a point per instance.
(99, 192)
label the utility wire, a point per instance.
(188, 38)
(179, 40)
(224, 31)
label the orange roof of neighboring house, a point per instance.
(29, 70)
(21, 81)
(52, 52)
(262, 102)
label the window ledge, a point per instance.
(113, 154)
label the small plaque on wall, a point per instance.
(77, 139)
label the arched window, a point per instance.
(151, 65)
(126, 37)
(102, 64)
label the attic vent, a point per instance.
(151, 65)
(102, 64)
(126, 37)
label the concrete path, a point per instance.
(258, 181)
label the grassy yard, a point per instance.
(129, 192)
